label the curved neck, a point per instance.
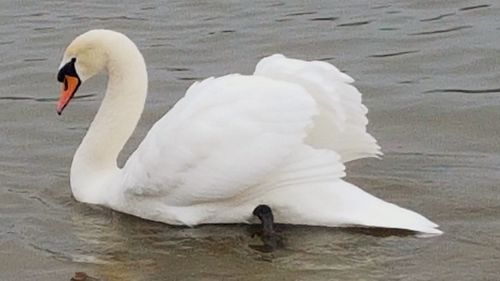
(95, 161)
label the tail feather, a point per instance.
(343, 204)
(309, 190)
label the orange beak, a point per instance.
(68, 90)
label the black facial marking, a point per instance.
(67, 69)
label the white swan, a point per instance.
(277, 137)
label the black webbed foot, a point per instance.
(268, 234)
(82, 276)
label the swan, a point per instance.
(279, 137)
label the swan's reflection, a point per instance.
(124, 247)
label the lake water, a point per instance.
(429, 71)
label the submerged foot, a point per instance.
(271, 239)
(82, 276)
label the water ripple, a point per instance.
(45, 28)
(474, 7)
(325, 58)
(380, 7)
(388, 28)
(44, 99)
(324, 19)
(300, 14)
(34, 59)
(356, 23)
(41, 201)
(222, 32)
(465, 91)
(176, 69)
(189, 78)
(393, 54)
(438, 17)
(32, 14)
(111, 18)
(442, 30)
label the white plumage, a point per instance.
(277, 137)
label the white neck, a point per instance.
(94, 165)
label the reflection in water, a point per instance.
(129, 248)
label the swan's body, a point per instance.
(278, 137)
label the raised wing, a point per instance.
(341, 122)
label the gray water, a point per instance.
(430, 77)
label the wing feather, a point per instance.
(341, 123)
(237, 134)
(224, 136)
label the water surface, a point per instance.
(429, 74)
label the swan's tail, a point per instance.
(343, 204)
(309, 190)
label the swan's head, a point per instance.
(86, 56)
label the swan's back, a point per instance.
(226, 135)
